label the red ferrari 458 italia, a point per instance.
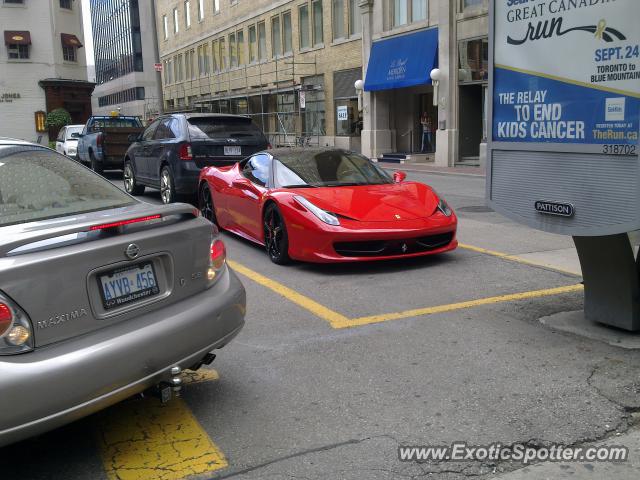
(326, 205)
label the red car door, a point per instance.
(245, 196)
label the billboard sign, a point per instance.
(567, 72)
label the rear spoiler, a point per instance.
(23, 237)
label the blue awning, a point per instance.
(402, 61)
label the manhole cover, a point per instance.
(475, 209)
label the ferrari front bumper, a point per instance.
(353, 241)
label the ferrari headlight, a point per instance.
(323, 215)
(444, 208)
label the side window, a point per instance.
(164, 130)
(257, 169)
(174, 127)
(148, 133)
(61, 135)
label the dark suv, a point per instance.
(171, 151)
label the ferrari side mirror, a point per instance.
(399, 176)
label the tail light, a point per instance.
(16, 333)
(269, 146)
(217, 259)
(185, 152)
(99, 140)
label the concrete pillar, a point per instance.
(447, 133)
(376, 135)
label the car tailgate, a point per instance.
(115, 140)
(213, 152)
(58, 275)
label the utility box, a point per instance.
(564, 121)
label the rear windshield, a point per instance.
(73, 132)
(37, 184)
(115, 122)
(222, 127)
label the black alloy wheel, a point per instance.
(130, 185)
(206, 204)
(276, 240)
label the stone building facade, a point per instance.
(291, 65)
(42, 66)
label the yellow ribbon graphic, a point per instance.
(602, 24)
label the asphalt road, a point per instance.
(327, 384)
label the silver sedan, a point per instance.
(101, 296)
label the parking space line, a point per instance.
(145, 440)
(517, 259)
(418, 312)
(337, 320)
(290, 294)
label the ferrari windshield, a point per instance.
(327, 168)
(38, 184)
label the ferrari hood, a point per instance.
(375, 203)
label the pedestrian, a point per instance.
(427, 133)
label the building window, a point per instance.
(408, 11)
(355, 18)
(216, 6)
(124, 96)
(165, 27)
(67, 4)
(14, 2)
(276, 37)
(286, 31)
(303, 23)
(418, 10)
(473, 60)
(262, 41)
(200, 10)
(233, 55)
(188, 65)
(316, 8)
(215, 56)
(223, 54)
(473, 4)
(253, 44)
(337, 19)
(400, 12)
(187, 14)
(346, 102)
(240, 47)
(18, 52)
(175, 20)
(69, 54)
(314, 112)
(180, 65)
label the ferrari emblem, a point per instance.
(398, 217)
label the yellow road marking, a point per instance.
(515, 258)
(418, 312)
(145, 440)
(337, 320)
(295, 297)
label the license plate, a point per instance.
(127, 285)
(237, 151)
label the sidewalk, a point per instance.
(431, 168)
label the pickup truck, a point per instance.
(105, 139)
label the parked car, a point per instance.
(67, 141)
(128, 293)
(104, 141)
(172, 150)
(326, 205)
